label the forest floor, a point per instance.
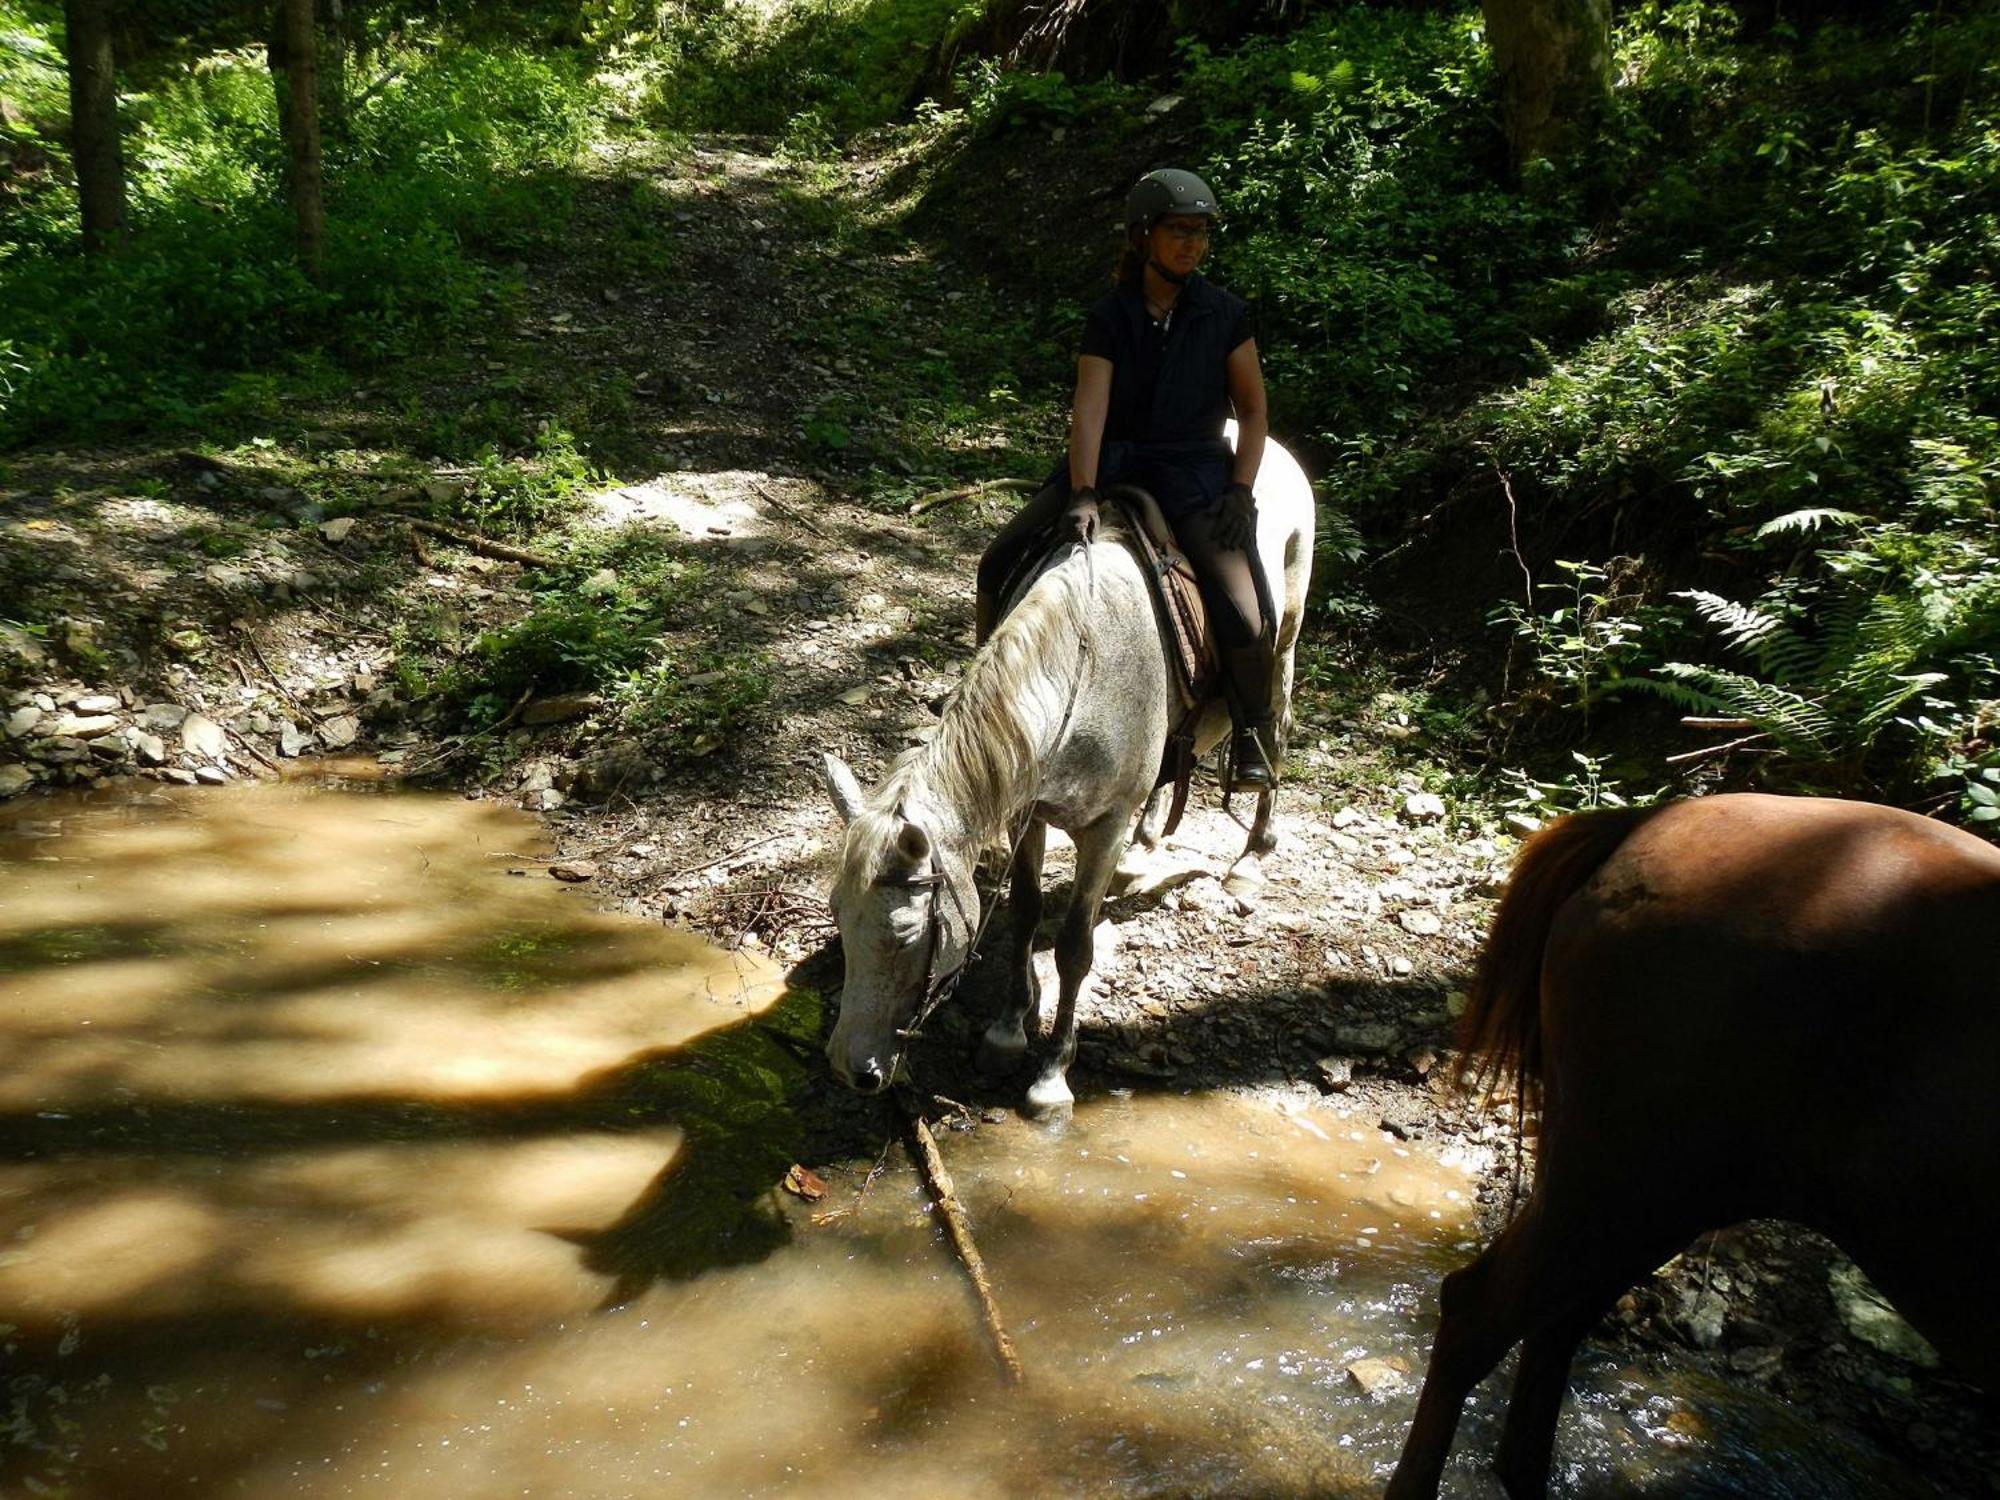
(219, 615)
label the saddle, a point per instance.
(1183, 621)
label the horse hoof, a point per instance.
(1050, 1099)
(1246, 884)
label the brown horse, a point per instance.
(1735, 1007)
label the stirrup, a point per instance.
(1250, 763)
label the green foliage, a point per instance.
(1583, 643)
(454, 161)
(811, 67)
(1580, 790)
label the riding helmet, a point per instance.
(1166, 191)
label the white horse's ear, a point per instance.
(913, 845)
(842, 787)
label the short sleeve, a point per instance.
(1245, 328)
(1098, 337)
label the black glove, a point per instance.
(1080, 519)
(1236, 519)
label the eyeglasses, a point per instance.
(1191, 234)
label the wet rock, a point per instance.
(1758, 1361)
(177, 775)
(1867, 1315)
(202, 737)
(15, 779)
(1700, 1317)
(1380, 1378)
(211, 776)
(1423, 807)
(573, 871)
(1404, 1125)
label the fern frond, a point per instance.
(1801, 725)
(1744, 626)
(1810, 519)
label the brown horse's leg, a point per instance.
(1006, 1040)
(1541, 1380)
(1568, 1251)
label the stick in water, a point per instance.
(938, 1180)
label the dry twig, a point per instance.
(938, 1180)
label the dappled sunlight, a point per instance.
(288, 945)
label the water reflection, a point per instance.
(334, 1160)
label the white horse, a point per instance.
(1060, 719)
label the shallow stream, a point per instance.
(343, 1152)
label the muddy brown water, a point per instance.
(344, 1153)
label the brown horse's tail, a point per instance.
(1502, 1030)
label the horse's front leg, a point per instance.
(1246, 877)
(1006, 1040)
(1097, 849)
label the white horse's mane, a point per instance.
(998, 728)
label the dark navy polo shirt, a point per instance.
(1168, 385)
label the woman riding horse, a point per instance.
(1166, 356)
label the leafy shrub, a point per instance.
(457, 156)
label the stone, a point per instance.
(1334, 1074)
(546, 799)
(1521, 824)
(336, 530)
(162, 718)
(150, 749)
(1368, 1038)
(560, 709)
(15, 779)
(202, 737)
(574, 871)
(1701, 1317)
(1423, 807)
(22, 721)
(1380, 1379)
(1419, 923)
(1867, 1315)
(292, 740)
(85, 727)
(340, 731)
(95, 703)
(1347, 817)
(176, 774)
(211, 775)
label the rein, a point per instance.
(940, 988)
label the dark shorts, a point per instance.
(1183, 477)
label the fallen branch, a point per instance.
(250, 640)
(931, 1165)
(778, 505)
(966, 491)
(1703, 754)
(721, 859)
(483, 547)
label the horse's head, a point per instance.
(905, 904)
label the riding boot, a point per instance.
(1253, 751)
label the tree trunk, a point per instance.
(93, 116)
(333, 80)
(295, 76)
(1554, 62)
